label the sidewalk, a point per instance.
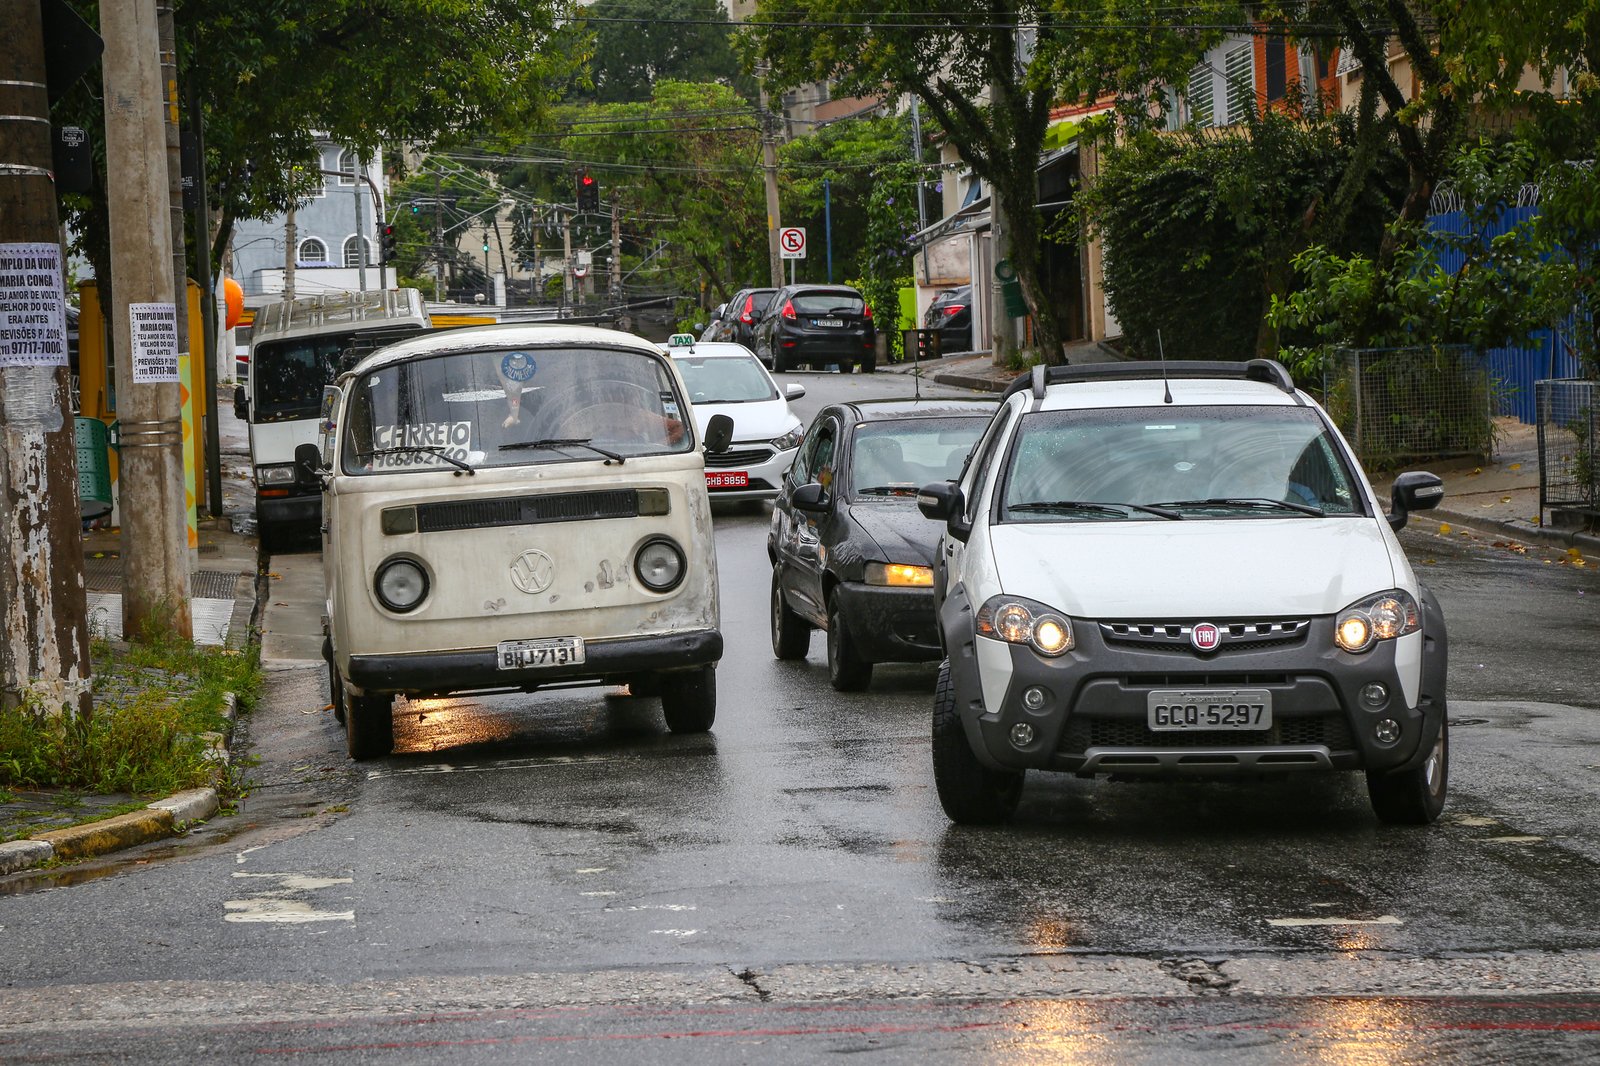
(41, 826)
(1499, 498)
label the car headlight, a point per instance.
(280, 474)
(659, 564)
(401, 584)
(789, 440)
(900, 574)
(1020, 621)
(1382, 617)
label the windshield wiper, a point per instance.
(413, 449)
(1250, 502)
(1120, 510)
(564, 442)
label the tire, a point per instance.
(689, 700)
(368, 726)
(847, 670)
(791, 634)
(1414, 797)
(969, 792)
(336, 693)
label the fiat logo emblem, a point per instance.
(532, 571)
(1205, 636)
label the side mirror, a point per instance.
(719, 434)
(1415, 490)
(811, 498)
(241, 404)
(793, 391)
(944, 501)
(308, 461)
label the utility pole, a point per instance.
(291, 248)
(167, 38)
(623, 321)
(922, 209)
(438, 238)
(769, 165)
(207, 277)
(155, 595)
(566, 251)
(361, 241)
(44, 632)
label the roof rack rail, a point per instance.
(1267, 371)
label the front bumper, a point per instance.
(764, 477)
(439, 673)
(1095, 719)
(890, 624)
(295, 509)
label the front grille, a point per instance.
(740, 457)
(1081, 734)
(527, 510)
(1237, 635)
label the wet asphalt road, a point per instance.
(556, 876)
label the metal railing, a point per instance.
(1398, 405)
(1568, 423)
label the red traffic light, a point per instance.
(587, 180)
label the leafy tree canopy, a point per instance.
(638, 43)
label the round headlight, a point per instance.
(1354, 633)
(401, 584)
(1052, 635)
(1019, 621)
(660, 565)
(1013, 624)
(1382, 617)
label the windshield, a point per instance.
(893, 459)
(1189, 462)
(289, 375)
(737, 379)
(510, 407)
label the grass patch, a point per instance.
(152, 702)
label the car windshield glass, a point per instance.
(724, 379)
(893, 459)
(488, 408)
(760, 300)
(1198, 462)
(826, 303)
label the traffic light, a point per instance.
(388, 244)
(588, 193)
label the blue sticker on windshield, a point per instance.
(518, 366)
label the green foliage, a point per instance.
(1200, 227)
(661, 40)
(152, 702)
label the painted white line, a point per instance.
(1295, 923)
(1513, 840)
(676, 932)
(591, 869)
(597, 893)
(657, 907)
(282, 900)
(240, 858)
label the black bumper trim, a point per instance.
(441, 672)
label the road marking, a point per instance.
(656, 907)
(1296, 923)
(597, 893)
(282, 902)
(1513, 840)
(676, 932)
(483, 768)
(1475, 820)
(591, 870)
(240, 858)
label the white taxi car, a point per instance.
(726, 378)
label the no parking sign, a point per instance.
(792, 242)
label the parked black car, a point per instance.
(850, 552)
(951, 314)
(817, 325)
(741, 314)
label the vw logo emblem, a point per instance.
(532, 571)
(1205, 636)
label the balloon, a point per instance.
(235, 298)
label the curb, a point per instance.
(163, 818)
(1521, 531)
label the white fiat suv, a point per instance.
(1174, 571)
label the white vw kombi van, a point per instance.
(510, 508)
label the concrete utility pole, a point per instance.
(167, 35)
(769, 165)
(566, 252)
(44, 633)
(155, 594)
(623, 321)
(291, 248)
(361, 241)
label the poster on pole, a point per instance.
(154, 336)
(33, 315)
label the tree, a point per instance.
(968, 66)
(273, 75)
(638, 43)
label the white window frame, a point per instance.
(300, 251)
(344, 252)
(348, 167)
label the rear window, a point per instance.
(760, 300)
(896, 458)
(827, 303)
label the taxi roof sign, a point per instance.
(681, 340)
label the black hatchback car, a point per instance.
(817, 325)
(850, 552)
(951, 314)
(740, 315)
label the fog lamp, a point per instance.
(1022, 734)
(1375, 694)
(1387, 731)
(1034, 698)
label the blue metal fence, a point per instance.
(1515, 368)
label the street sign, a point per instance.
(792, 242)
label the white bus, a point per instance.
(297, 348)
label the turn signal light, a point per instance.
(902, 574)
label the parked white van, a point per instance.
(298, 348)
(512, 508)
